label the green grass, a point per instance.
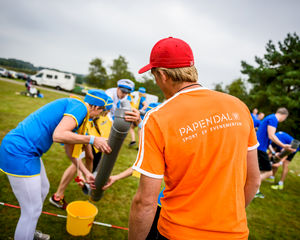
(275, 217)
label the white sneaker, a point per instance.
(38, 235)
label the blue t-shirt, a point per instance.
(285, 138)
(254, 117)
(262, 132)
(142, 99)
(22, 147)
(256, 122)
(161, 195)
(150, 106)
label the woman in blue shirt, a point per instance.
(22, 148)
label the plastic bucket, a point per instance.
(80, 217)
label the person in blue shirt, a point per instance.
(265, 134)
(92, 158)
(285, 161)
(22, 148)
(257, 120)
(254, 113)
(141, 106)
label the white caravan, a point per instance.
(59, 80)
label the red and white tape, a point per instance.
(63, 216)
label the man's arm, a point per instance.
(63, 134)
(272, 136)
(145, 105)
(253, 176)
(114, 178)
(272, 150)
(143, 207)
(90, 179)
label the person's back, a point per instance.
(203, 144)
(202, 136)
(33, 136)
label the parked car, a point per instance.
(3, 72)
(22, 76)
(12, 74)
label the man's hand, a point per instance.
(289, 148)
(133, 116)
(90, 179)
(101, 144)
(277, 165)
(110, 182)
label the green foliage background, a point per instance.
(98, 76)
(275, 82)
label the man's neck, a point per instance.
(177, 87)
(278, 116)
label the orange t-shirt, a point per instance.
(198, 141)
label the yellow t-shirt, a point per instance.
(104, 125)
(198, 141)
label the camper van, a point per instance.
(59, 80)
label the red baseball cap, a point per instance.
(170, 53)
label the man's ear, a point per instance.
(162, 75)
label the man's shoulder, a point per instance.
(212, 95)
(75, 101)
(270, 117)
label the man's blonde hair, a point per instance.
(184, 74)
(282, 111)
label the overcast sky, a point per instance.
(68, 34)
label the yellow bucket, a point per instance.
(80, 217)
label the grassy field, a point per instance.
(275, 217)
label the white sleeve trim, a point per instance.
(147, 173)
(253, 147)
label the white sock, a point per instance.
(272, 177)
(280, 183)
(257, 191)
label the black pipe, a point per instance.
(118, 133)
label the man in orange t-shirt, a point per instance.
(203, 144)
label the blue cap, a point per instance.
(98, 98)
(142, 90)
(126, 85)
(151, 106)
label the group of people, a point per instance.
(31, 90)
(272, 144)
(202, 143)
(68, 121)
(100, 126)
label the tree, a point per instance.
(238, 89)
(98, 75)
(119, 70)
(276, 81)
(79, 78)
(151, 86)
(218, 87)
